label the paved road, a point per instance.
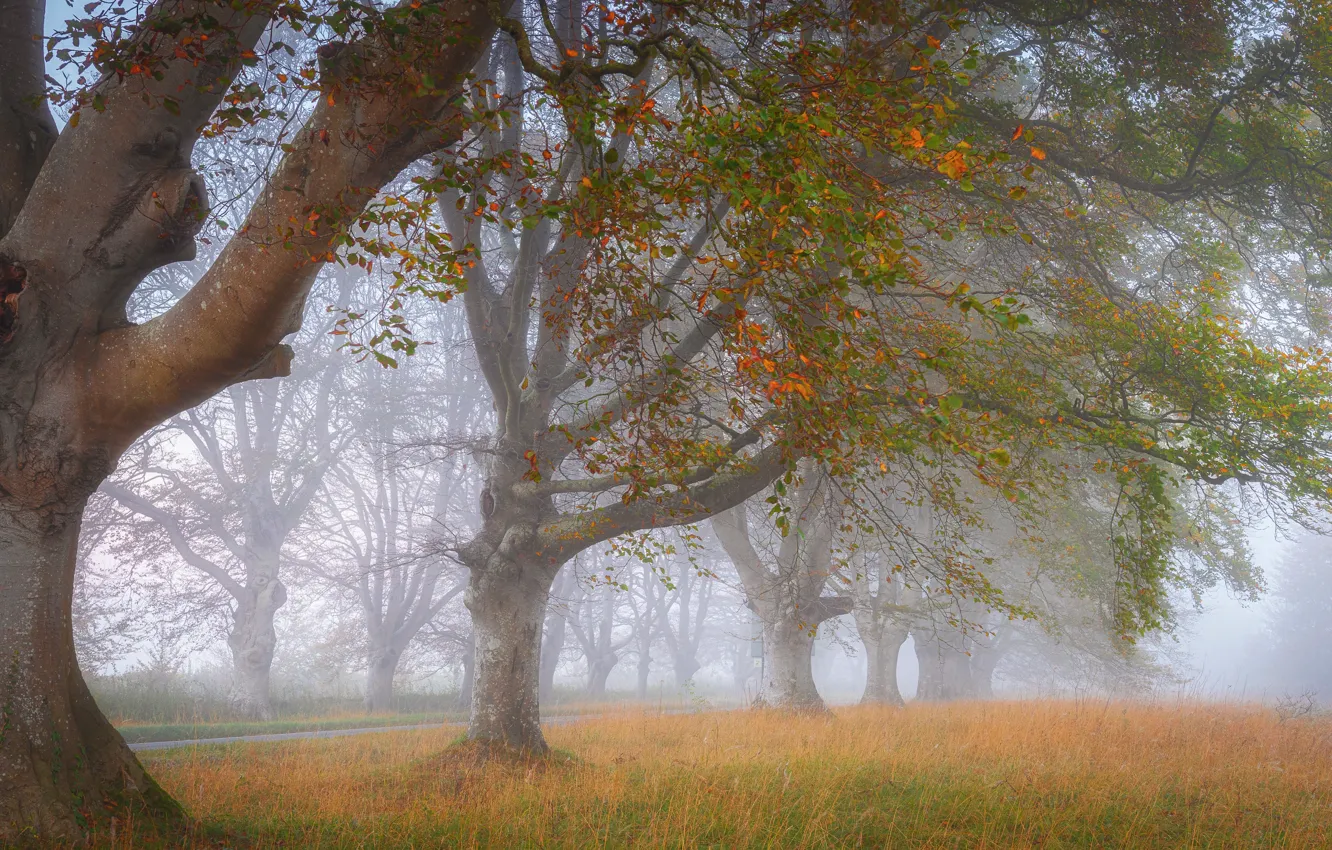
(339, 733)
(284, 736)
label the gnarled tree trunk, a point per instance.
(252, 641)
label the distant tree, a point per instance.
(784, 576)
(223, 486)
(1294, 655)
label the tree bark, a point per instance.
(881, 653)
(789, 671)
(61, 762)
(598, 671)
(929, 684)
(644, 673)
(469, 671)
(508, 606)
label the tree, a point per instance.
(553, 636)
(86, 216)
(1294, 651)
(594, 627)
(883, 611)
(670, 319)
(384, 509)
(784, 583)
(691, 598)
(228, 503)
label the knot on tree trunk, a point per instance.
(13, 280)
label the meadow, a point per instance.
(966, 775)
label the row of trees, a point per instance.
(882, 294)
(337, 494)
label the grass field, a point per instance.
(1019, 774)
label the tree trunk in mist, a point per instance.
(742, 665)
(598, 671)
(929, 685)
(945, 671)
(552, 643)
(253, 641)
(685, 665)
(881, 654)
(380, 669)
(61, 761)
(982, 673)
(789, 671)
(957, 679)
(644, 674)
(508, 607)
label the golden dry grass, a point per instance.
(999, 774)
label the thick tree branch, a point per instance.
(27, 131)
(253, 295)
(572, 534)
(125, 167)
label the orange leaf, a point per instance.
(1017, 134)
(1037, 153)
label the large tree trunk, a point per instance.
(881, 652)
(508, 607)
(789, 672)
(253, 641)
(383, 664)
(61, 763)
(945, 670)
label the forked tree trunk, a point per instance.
(881, 653)
(61, 761)
(253, 641)
(789, 671)
(508, 607)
